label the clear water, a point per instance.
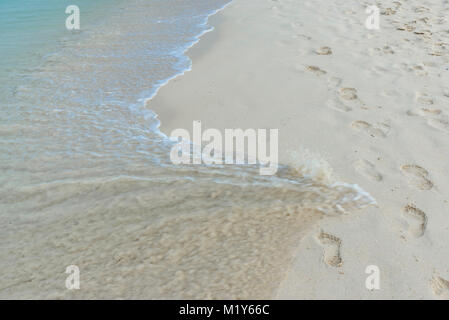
(31, 29)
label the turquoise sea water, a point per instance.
(29, 29)
(124, 51)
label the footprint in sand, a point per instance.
(331, 245)
(368, 170)
(334, 82)
(302, 36)
(440, 287)
(439, 124)
(316, 70)
(407, 27)
(424, 98)
(424, 112)
(337, 105)
(348, 93)
(421, 9)
(419, 177)
(426, 20)
(416, 219)
(382, 50)
(424, 33)
(378, 130)
(417, 69)
(388, 12)
(324, 51)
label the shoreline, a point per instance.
(164, 82)
(340, 119)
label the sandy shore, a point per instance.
(370, 104)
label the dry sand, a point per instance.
(373, 104)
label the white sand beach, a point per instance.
(365, 107)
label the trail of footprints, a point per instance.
(346, 99)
